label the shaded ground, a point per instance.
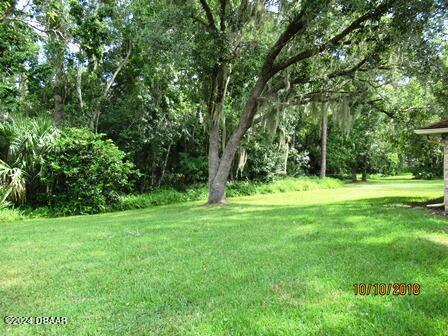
(280, 264)
(429, 207)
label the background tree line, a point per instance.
(210, 90)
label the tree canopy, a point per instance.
(203, 91)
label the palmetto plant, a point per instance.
(22, 142)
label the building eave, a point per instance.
(431, 130)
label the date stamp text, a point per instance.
(386, 289)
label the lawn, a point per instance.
(276, 264)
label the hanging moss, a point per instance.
(342, 115)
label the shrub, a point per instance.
(194, 169)
(84, 173)
(425, 159)
(7, 212)
(236, 188)
(22, 143)
(264, 162)
(288, 184)
(163, 196)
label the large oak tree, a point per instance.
(350, 35)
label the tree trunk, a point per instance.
(217, 192)
(79, 87)
(354, 178)
(217, 187)
(364, 175)
(216, 102)
(323, 165)
(213, 151)
(58, 108)
(165, 162)
(58, 93)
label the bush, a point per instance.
(163, 196)
(247, 188)
(10, 214)
(84, 173)
(7, 212)
(236, 188)
(195, 169)
(426, 158)
(264, 162)
(167, 196)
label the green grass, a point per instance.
(275, 264)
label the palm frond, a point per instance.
(13, 182)
(27, 139)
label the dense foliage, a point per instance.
(187, 89)
(85, 173)
(23, 143)
(71, 171)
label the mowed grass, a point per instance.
(277, 264)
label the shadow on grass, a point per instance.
(247, 263)
(371, 241)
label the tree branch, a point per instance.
(199, 20)
(351, 71)
(297, 24)
(380, 109)
(208, 13)
(29, 24)
(356, 24)
(223, 4)
(241, 10)
(120, 66)
(303, 79)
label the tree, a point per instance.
(52, 20)
(323, 166)
(98, 27)
(17, 47)
(318, 24)
(210, 90)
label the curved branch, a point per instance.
(208, 13)
(297, 24)
(117, 71)
(356, 24)
(223, 5)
